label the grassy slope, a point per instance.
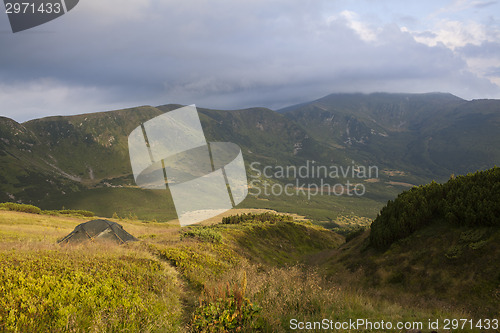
(125, 202)
(134, 288)
(438, 242)
(149, 205)
(95, 288)
(440, 265)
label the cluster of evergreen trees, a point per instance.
(472, 200)
(264, 217)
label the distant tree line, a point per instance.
(471, 200)
(264, 217)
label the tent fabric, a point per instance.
(98, 230)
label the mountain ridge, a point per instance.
(397, 129)
(412, 138)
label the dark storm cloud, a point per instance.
(220, 54)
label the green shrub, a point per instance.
(12, 206)
(51, 291)
(353, 234)
(81, 212)
(264, 217)
(453, 252)
(477, 245)
(470, 200)
(226, 310)
(472, 236)
(70, 212)
(204, 234)
(20, 207)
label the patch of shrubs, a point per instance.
(81, 212)
(204, 234)
(353, 234)
(12, 206)
(49, 291)
(24, 208)
(470, 200)
(226, 310)
(264, 217)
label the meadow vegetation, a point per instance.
(253, 273)
(24, 208)
(86, 290)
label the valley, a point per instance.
(82, 162)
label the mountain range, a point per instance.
(82, 161)
(430, 135)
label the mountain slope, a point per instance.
(83, 160)
(25, 173)
(411, 138)
(90, 147)
(445, 250)
(264, 135)
(428, 135)
(470, 200)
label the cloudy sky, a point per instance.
(111, 54)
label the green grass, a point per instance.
(280, 243)
(257, 276)
(322, 209)
(441, 265)
(86, 289)
(203, 234)
(125, 202)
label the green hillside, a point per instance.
(435, 244)
(430, 136)
(471, 201)
(82, 161)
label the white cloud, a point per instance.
(459, 36)
(484, 66)
(353, 22)
(454, 34)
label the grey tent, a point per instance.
(98, 230)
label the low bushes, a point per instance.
(24, 208)
(54, 291)
(20, 208)
(255, 218)
(203, 234)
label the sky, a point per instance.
(226, 54)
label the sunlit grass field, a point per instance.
(249, 277)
